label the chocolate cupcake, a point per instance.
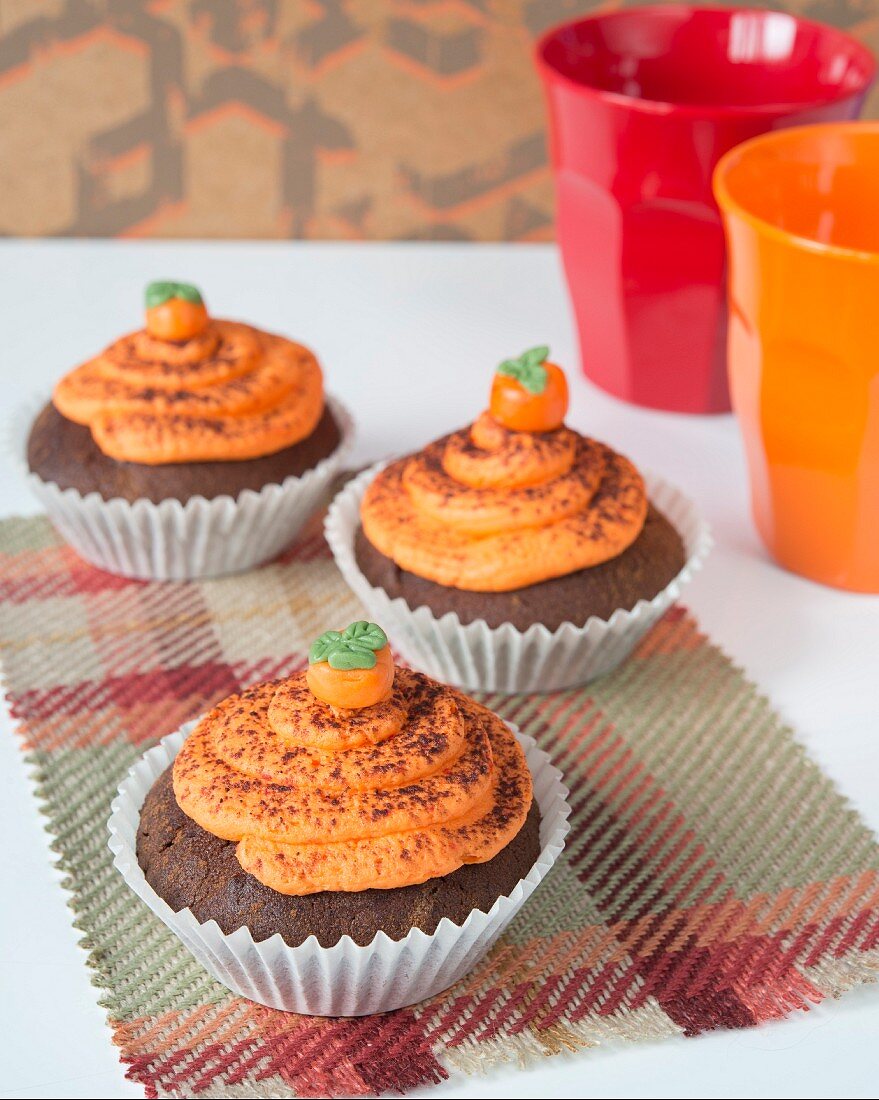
(192, 868)
(192, 447)
(350, 812)
(515, 554)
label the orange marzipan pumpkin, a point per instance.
(350, 689)
(176, 319)
(520, 410)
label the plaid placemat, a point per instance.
(713, 876)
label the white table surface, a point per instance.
(409, 335)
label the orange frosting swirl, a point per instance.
(321, 799)
(229, 393)
(490, 510)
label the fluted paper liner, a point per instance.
(346, 979)
(178, 541)
(477, 657)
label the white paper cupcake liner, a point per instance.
(181, 541)
(346, 979)
(477, 657)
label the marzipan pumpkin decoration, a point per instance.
(352, 668)
(530, 394)
(174, 311)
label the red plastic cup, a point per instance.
(643, 102)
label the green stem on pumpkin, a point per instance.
(528, 368)
(353, 647)
(163, 290)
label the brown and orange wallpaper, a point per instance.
(285, 118)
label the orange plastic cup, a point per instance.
(801, 212)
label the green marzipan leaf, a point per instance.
(536, 356)
(163, 290)
(533, 378)
(322, 646)
(346, 655)
(354, 647)
(368, 635)
(528, 369)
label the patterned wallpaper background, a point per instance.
(285, 118)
